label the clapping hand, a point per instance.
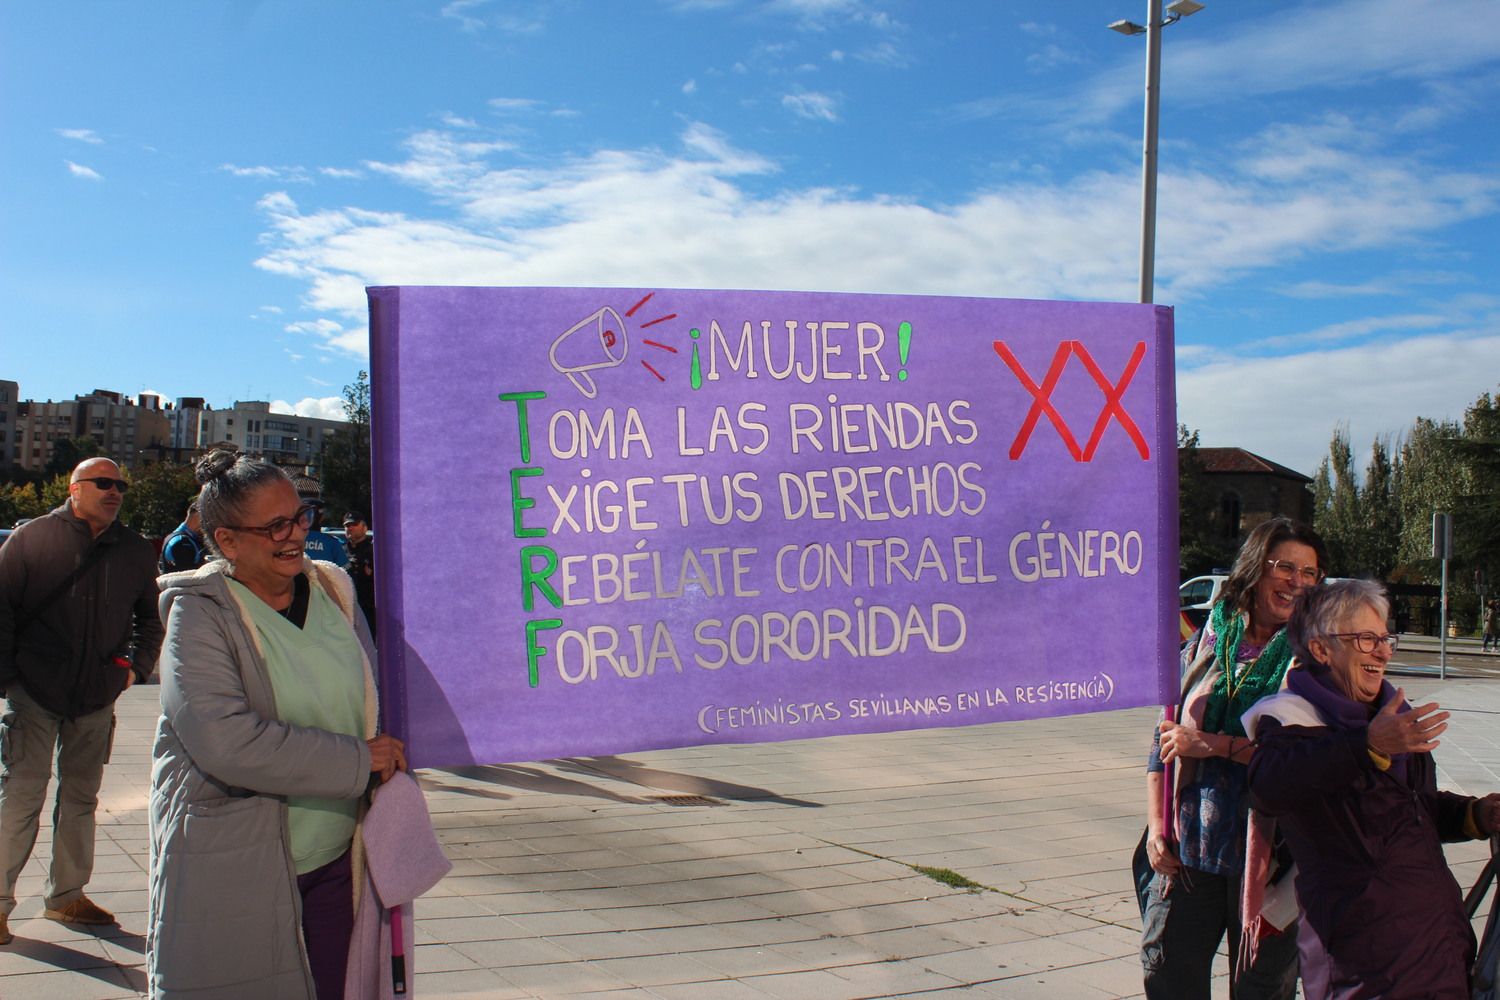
(1417, 731)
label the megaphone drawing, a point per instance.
(591, 344)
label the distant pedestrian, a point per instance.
(1491, 625)
(78, 625)
(361, 564)
(183, 548)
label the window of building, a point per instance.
(1230, 513)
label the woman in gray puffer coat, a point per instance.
(265, 749)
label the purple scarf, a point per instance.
(1314, 681)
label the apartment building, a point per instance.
(146, 430)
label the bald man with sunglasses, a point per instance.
(78, 625)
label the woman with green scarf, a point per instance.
(1240, 656)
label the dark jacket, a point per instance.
(361, 570)
(63, 654)
(1382, 914)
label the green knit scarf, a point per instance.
(1239, 687)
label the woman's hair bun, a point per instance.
(215, 464)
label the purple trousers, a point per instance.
(328, 923)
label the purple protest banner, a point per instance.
(622, 519)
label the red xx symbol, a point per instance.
(1112, 394)
(1042, 399)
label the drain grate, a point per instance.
(686, 800)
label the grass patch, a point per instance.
(948, 877)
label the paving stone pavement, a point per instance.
(783, 870)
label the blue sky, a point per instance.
(196, 194)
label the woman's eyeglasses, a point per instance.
(1366, 642)
(106, 483)
(281, 529)
(1284, 570)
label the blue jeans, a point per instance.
(1183, 929)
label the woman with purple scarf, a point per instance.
(1344, 765)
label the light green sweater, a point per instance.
(318, 679)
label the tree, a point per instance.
(1201, 547)
(1476, 505)
(18, 500)
(1381, 538)
(55, 491)
(68, 452)
(1337, 513)
(157, 497)
(345, 465)
(1427, 485)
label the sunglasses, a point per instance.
(280, 529)
(106, 483)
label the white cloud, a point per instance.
(1396, 283)
(1285, 408)
(331, 336)
(79, 170)
(296, 175)
(690, 87)
(87, 135)
(1287, 51)
(1356, 329)
(1334, 290)
(340, 173)
(474, 16)
(822, 15)
(326, 407)
(1051, 56)
(454, 121)
(696, 217)
(514, 105)
(811, 104)
(884, 54)
(686, 218)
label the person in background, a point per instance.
(320, 544)
(78, 625)
(183, 548)
(1345, 766)
(361, 565)
(265, 750)
(1239, 657)
(1491, 625)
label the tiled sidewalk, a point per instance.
(777, 870)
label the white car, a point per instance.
(1196, 597)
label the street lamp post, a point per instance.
(1178, 9)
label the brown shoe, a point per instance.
(6, 937)
(81, 911)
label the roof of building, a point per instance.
(1240, 460)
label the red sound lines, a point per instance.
(631, 311)
(647, 365)
(659, 319)
(652, 343)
